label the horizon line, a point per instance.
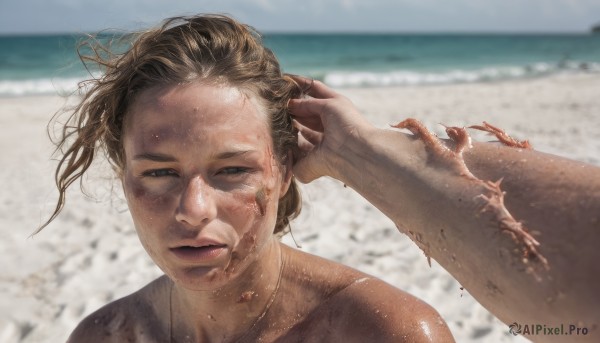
(325, 32)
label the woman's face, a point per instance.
(201, 181)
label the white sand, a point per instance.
(90, 255)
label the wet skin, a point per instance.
(186, 186)
(554, 201)
(204, 208)
(319, 301)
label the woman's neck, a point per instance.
(228, 313)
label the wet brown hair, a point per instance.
(213, 48)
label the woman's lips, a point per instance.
(205, 253)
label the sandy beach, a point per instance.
(90, 254)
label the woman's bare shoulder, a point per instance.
(316, 269)
(133, 318)
(364, 308)
(383, 313)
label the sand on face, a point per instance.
(91, 255)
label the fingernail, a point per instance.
(292, 102)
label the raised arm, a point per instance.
(518, 228)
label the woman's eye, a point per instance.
(160, 173)
(233, 170)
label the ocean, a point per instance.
(49, 64)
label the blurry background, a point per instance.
(531, 67)
(346, 43)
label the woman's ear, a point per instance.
(286, 173)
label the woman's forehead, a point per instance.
(194, 113)
(206, 101)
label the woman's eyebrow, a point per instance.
(155, 157)
(158, 157)
(230, 154)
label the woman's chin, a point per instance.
(201, 278)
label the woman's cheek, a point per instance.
(146, 207)
(264, 195)
(144, 202)
(251, 207)
(241, 206)
(253, 217)
(260, 202)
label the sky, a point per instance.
(539, 16)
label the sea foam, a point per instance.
(38, 87)
(414, 78)
(342, 79)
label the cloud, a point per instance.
(312, 15)
(266, 5)
(348, 5)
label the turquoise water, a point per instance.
(49, 64)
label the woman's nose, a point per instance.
(197, 204)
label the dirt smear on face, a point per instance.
(261, 198)
(246, 297)
(247, 244)
(492, 198)
(245, 248)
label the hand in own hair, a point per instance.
(329, 126)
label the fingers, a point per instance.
(312, 136)
(304, 147)
(305, 107)
(304, 169)
(308, 112)
(302, 160)
(307, 119)
(304, 155)
(314, 88)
